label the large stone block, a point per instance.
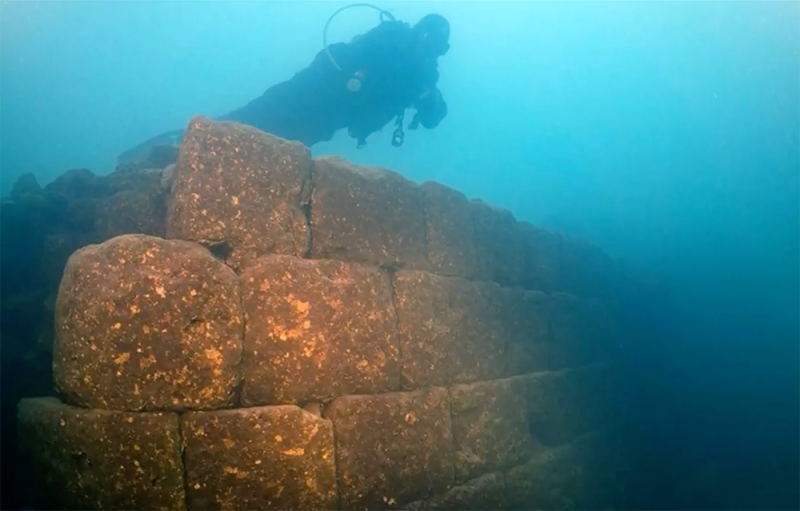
(542, 258)
(527, 331)
(366, 214)
(490, 427)
(274, 457)
(145, 323)
(95, 459)
(139, 211)
(566, 404)
(483, 493)
(582, 331)
(586, 474)
(501, 256)
(240, 191)
(392, 449)
(550, 481)
(451, 231)
(451, 329)
(316, 330)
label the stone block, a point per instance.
(317, 330)
(144, 323)
(451, 329)
(96, 459)
(450, 231)
(550, 481)
(586, 474)
(392, 449)
(273, 457)
(542, 258)
(582, 331)
(563, 405)
(527, 331)
(240, 191)
(490, 427)
(499, 245)
(141, 211)
(366, 214)
(483, 493)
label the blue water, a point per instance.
(667, 132)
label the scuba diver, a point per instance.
(361, 85)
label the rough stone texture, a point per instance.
(240, 191)
(317, 330)
(392, 449)
(451, 231)
(367, 214)
(451, 329)
(490, 427)
(139, 209)
(145, 323)
(276, 457)
(501, 256)
(526, 330)
(582, 331)
(566, 404)
(583, 475)
(93, 459)
(542, 258)
(485, 492)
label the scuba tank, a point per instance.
(355, 81)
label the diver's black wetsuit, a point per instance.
(396, 67)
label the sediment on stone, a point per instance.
(273, 457)
(392, 449)
(490, 427)
(367, 214)
(144, 323)
(451, 330)
(238, 186)
(317, 329)
(96, 459)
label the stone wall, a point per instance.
(308, 334)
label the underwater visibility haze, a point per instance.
(666, 133)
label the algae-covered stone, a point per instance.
(317, 330)
(97, 459)
(145, 323)
(499, 244)
(451, 231)
(274, 457)
(367, 214)
(490, 427)
(479, 494)
(392, 449)
(241, 191)
(451, 329)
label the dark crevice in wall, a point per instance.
(182, 443)
(392, 274)
(306, 208)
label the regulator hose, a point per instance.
(383, 13)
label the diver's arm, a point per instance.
(431, 109)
